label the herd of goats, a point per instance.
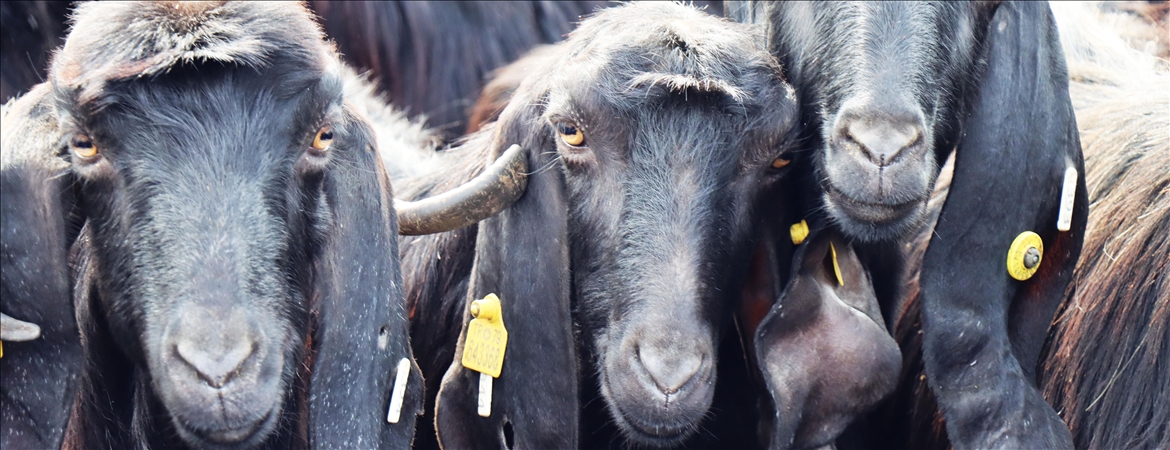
(536, 224)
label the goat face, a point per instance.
(881, 113)
(201, 187)
(657, 116)
(190, 199)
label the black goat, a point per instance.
(889, 89)
(650, 132)
(231, 232)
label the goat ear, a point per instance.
(522, 256)
(37, 227)
(1017, 142)
(361, 330)
(823, 351)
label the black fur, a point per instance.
(902, 85)
(29, 31)
(38, 377)
(209, 225)
(639, 231)
(432, 58)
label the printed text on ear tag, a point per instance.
(486, 337)
(1024, 255)
(836, 267)
(483, 352)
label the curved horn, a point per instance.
(488, 193)
(17, 330)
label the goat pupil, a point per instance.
(327, 136)
(81, 143)
(567, 129)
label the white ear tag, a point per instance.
(485, 395)
(1067, 199)
(400, 379)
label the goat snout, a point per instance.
(661, 380)
(880, 134)
(216, 367)
(669, 367)
(222, 382)
(217, 349)
(879, 167)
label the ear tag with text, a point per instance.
(1067, 199)
(799, 232)
(483, 352)
(1024, 255)
(836, 267)
(396, 396)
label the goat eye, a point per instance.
(781, 162)
(83, 146)
(571, 134)
(323, 139)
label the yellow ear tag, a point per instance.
(486, 337)
(836, 268)
(1024, 256)
(799, 232)
(483, 351)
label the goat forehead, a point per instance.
(212, 129)
(673, 46)
(684, 136)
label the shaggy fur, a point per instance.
(639, 230)
(1109, 349)
(432, 58)
(210, 229)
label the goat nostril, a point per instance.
(669, 368)
(882, 141)
(215, 368)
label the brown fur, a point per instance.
(1108, 353)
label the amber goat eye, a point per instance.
(323, 139)
(571, 134)
(780, 163)
(83, 146)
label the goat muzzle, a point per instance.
(492, 191)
